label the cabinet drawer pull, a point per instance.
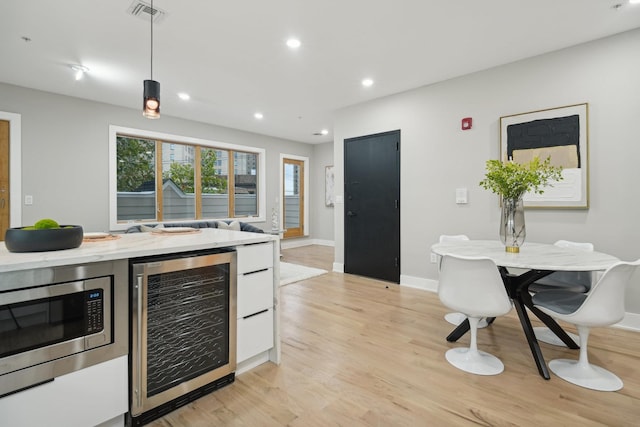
(255, 314)
(257, 271)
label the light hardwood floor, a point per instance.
(360, 352)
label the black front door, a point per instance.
(372, 206)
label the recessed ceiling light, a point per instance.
(184, 96)
(258, 116)
(293, 43)
(324, 132)
(367, 82)
(634, 1)
(80, 70)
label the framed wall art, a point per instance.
(561, 134)
(328, 186)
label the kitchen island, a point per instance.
(125, 246)
(98, 393)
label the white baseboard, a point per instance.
(419, 283)
(252, 362)
(338, 267)
(631, 322)
(298, 243)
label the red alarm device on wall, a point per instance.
(466, 123)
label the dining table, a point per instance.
(519, 270)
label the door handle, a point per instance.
(349, 213)
(140, 292)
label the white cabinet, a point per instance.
(255, 300)
(255, 334)
(88, 397)
(254, 257)
(255, 292)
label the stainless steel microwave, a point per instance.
(68, 323)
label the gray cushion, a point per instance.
(549, 284)
(563, 302)
(244, 226)
(576, 281)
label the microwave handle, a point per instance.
(138, 362)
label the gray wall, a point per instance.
(437, 156)
(65, 154)
(321, 217)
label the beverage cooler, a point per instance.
(183, 330)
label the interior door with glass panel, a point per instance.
(293, 200)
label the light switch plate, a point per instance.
(461, 195)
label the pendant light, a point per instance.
(151, 103)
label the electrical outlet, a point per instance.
(28, 200)
(434, 258)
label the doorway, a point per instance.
(11, 169)
(372, 206)
(4, 178)
(293, 195)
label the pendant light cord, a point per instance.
(151, 39)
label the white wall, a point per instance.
(65, 153)
(437, 156)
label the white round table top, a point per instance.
(537, 256)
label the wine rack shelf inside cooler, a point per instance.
(187, 325)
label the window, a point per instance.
(159, 177)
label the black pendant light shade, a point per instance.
(151, 101)
(151, 106)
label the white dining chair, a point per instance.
(473, 286)
(574, 281)
(453, 317)
(603, 305)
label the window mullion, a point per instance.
(197, 181)
(231, 184)
(159, 181)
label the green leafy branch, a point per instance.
(512, 180)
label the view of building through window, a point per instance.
(162, 181)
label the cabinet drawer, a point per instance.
(92, 395)
(254, 257)
(255, 292)
(255, 335)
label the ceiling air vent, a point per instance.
(144, 11)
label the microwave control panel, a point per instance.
(94, 306)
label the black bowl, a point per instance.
(50, 239)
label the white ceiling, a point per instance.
(230, 56)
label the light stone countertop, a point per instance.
(537, 256)
(129, 246)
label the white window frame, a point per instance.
(114, 131)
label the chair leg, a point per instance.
(471, 359)
(581, 372)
